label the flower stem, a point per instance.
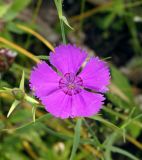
(95, 138)
(63, 31)
(76, 139)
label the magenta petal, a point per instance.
(58, 104)
(65, 96)
(86, 104)
(44, 80)
(96, 75)
(67, 58)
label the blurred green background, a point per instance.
(110, 29)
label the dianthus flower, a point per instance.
(68, 92)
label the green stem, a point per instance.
(76, 139)
(121, 116)
(96, 140)
(63, 31)
(39, 2)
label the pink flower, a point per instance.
(69, 94)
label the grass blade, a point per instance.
(14, 104)
(123, 152)
(76, 138)
(104, 121)
(22, 82)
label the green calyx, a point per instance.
(18, 94)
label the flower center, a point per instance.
(70, 84)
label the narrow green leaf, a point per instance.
(137, 117)
(33, 113)
(121, 116)
(124, 152)
(132, 27)
(5, 91)
(104, 121)
(60, 2)
(43, 57)
(64, 19)
(95, 138)
(58, 7)
(109, 141)
(22, 82)
(31, 100)
(8, 89)
(14, 104)
(129, 119)
(23, 127)
(76, 140)
(56, 134)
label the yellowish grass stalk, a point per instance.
(37, 35)
(19, 49)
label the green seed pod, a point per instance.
(18, 94)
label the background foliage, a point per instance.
(109, 29)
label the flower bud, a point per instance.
(18, 94)
(6, 58)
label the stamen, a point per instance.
(71, 84)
